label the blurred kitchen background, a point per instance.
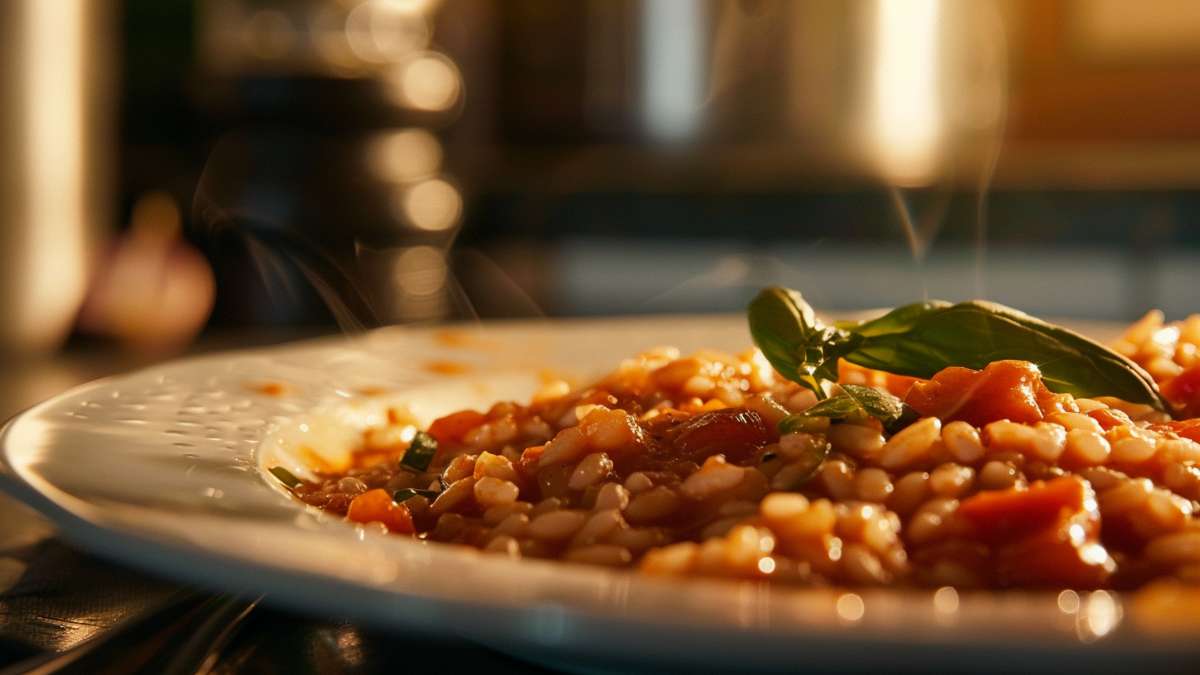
(179, 169)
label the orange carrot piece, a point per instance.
(377, 506)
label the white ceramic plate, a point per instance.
(164, 469)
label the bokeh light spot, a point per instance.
(405, 155)
(432, 205)
(427, 82)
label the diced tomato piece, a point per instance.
(452, 427)
(377, 506)
(1043, 535)
(1110, 417)
(1010, 390)
(528, 463)
(1184, 391)
(897, 385)
(1185, 428)
(1061, 554)
(736, 433)
(1002, 515)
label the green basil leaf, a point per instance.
(877, 403)
(854, 401)
(835, 408)
(420, 452)
(782, 324)
(835, 343)
(927, 338)
(802, 422)
(794, 341)
(898, 320)
(923, 338)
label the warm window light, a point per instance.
(51, 266)
(905, 120)
(674, 72)
(408, 6)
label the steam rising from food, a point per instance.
(936, 112)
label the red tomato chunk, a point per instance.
(452, 427)
(1043, 535)
(1011, 390)
(1184, 391)
(737, 433)
(1185, 428)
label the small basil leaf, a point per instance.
(835, 407)
(803, 423)
(854, 401)
(794, 341)
(420, 452)
(877, 403)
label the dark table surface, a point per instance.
(54, 596)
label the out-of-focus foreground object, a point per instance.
(153, 290)
(54, 135)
